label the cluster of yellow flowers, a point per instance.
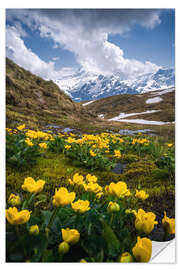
(32, 134)
(140, 141)
(141, 251)
(89, 183)
(92, 154)
(117, 153)
(70, 237)
(43, 145)
(28, 141)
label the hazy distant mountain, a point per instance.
(89, 86)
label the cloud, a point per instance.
(85, 33)
(18, 52)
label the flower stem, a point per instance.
(27, 202)
(17, 230)
(111, 220)
(53, 216)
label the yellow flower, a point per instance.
(33, 186)
(117, 153)
(170, 145)
(43, 145)
(28, 141)
(91, 178)
(142, 251)
(80, 206)
(67, 146)
(99, 195)
(126, 258)
(14, 199)
(168, 224)
(62, 197)
(113, 207)
(34, 230)
(83, 261)
(92, 187)
(145, 221)
(70, 182)
(21, 127)
(129, 211)
(141, 195)
(78, 179)
(63, 248)
(70, 140)
(92, 154)
(14, 217)
(70, 236)
(118, 189)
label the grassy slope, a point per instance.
(37, 102)
(113, 106)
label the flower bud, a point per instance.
(126, 257)
(63, 248)
(34, 230)
(113, 207)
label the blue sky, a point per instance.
(155, 45)
(102, 41)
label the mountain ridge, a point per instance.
(85, 86)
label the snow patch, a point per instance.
(124, 115)
(88, 102)
(101, 116)
(144, 122)
(154, 100)
(162, 92)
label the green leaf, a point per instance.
(48, 256)
(113, 244)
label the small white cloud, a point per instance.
(55, 58)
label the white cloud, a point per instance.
(55, 58)
(18, 52)
(85, 33)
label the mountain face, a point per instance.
(83, 86)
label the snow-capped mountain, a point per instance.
(83, 85)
